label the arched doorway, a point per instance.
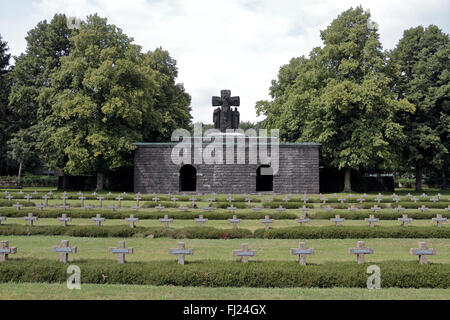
(188, 178)
(264, 178)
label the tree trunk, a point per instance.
(100, 178)
(419, 179)
(347, 180)
(444, 178)
(19, 175)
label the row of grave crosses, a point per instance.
(375, 208)
(341, 199)
(64, 249)
(337, 220)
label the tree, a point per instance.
(4, 92)
(22, 148)
(340, 97)
(30, 78)
(420, 72)
(105, 96)
(172, 103)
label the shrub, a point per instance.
(123, 213)
(353, 232)
(214, 273)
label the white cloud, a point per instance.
(236, 44)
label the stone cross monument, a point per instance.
(225, 117)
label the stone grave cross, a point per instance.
(30, 218)
(132, 220)
(302, 252)
(423, 252)
(360, 251)
(234, 221)
(5, 250)
(200, 220)
(266, 221)
(98, 220)
(244, 253)
(64, 219)
(121, 251)
(181, 251)
(64, 249)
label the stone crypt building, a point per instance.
(239, 170)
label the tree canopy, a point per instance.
(340, 97)
(420, 70)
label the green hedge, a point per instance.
(353, 232)
(122, 214)
(125, 232)
(9, 204)
(214, 273)
(306, 232)
(382, 215)
(286, 205)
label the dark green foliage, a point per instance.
(215, 273)
(122, 214)
(353, 232)
(125, 232)
(9, 204)
(382, 215)
(286, 205)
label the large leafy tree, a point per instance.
(420, 70)
(4, 91)
(340, 97)
(28, 106)
(105, 96)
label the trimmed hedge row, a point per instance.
(214, 273)
(392, 215)
(122, 214)
(7, 203)
(126, 232)
(328, 232)
(286, 205)
(353, 232)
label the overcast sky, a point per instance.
(232, 44)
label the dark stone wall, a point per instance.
(298, 172)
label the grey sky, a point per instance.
(234, 44)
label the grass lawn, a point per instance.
(268, 249)
(42, 291)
